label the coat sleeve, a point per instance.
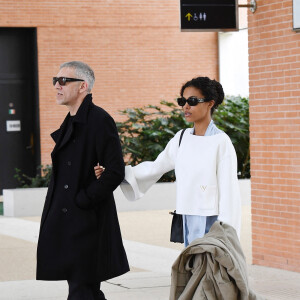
(140, 178)
(228, 190)
(110, 155)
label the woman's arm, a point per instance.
(228, 190)
(140, 178)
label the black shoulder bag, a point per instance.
(177, 222)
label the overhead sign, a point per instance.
(209, 15)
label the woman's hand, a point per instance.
(98, 170)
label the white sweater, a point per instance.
(206, 176)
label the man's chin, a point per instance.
(60, 101)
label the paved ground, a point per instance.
(146, 235)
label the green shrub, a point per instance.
(233, 118)
(41, 179)
(146, 131)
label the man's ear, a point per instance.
(83, 87)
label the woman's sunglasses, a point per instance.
(63, 80)
(192, 101)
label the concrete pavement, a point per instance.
(150, 254)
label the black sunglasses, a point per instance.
(63, 80)
(192, 101)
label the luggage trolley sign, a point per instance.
(209, 15)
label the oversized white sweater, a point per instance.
(206, 176)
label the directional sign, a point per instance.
(209, 15)
(188, 16)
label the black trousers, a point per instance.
(85, 291)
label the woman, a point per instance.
(205, 165)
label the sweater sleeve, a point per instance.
(140, 178)
(228, 190)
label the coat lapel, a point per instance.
(58, 135)
(66, 136)
(61, 136)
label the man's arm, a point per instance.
(110, 152)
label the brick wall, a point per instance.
(274, 66)
(136, 49)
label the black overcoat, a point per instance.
(80, 238)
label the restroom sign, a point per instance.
(13, 125)
(209, 15)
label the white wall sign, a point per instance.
(296, 14)
(13, 125)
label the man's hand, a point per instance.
(98, 170)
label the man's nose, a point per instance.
(57, 86)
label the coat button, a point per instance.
(64, 210)
(66, 186)
(69, 163)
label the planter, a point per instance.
(30, 201)
(25, 202)
(245, 189)
(162, 196)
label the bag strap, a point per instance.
(181, 135)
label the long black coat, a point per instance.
(80, 237)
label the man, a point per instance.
(80, 239)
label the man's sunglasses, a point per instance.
(192, 101)
(63, 80)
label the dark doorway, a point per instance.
(19, 113)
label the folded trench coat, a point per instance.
(212, 268)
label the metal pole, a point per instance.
(252, 5)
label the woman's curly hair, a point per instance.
(211, 90)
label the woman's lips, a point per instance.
(187, 114)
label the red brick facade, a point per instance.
(274, 65)
(136, 49)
